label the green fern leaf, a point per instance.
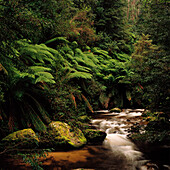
(44, 77)
(83, 69)
(78, 75)
(39, 68)
(37, 122)
(57, 39)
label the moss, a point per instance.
(62, 135)
(26, 137)
(115, 110)
(151, 137)
(84, 119)
(94, 136)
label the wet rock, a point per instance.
(25, 138)
(94, 136)
(84, 119)
(149, 166)
(166, 167)
(115, 110)
(62, 136)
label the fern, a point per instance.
(3, 68)
(83, 68)
(109, 77)
(37, 122)
(92, 57)
(122, 57)
(81, 75)
(40, 109)
(73, 100)
(39, 68)
(120, 77)
(31, 53)
(58, 40)
(42, 75)
(87, 103)
(101, 52)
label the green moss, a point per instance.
(61, 134)
(26, 137)
(84, 119)
(94, 136)
(115, 110)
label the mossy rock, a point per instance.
(94, 136)
(84, 119)
(25, 138)
(117, 110)
(62, 136)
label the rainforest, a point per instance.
(63, 60)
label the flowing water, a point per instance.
(117, 152)
(124, 154)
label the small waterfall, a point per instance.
(123, 150)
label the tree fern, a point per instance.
(87, 103)
(79, 75)
(36, 121)
(42, 74)
(57, 40)
(39, 68)
(31, 53)
(109, 77)
(101, 52)
(41, 110)
(83, 69)
(92, 57)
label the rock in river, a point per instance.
(60, 135)
(25, 138)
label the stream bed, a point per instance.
(124, 153)
(117, 152)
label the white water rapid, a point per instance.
(123, 150)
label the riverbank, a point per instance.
(88, 157)
(117, 151)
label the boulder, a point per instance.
(25, 138)
(84, 119)
(62, 136)
(117, 110)
(94, 136)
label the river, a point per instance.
(117, 152)
(124, 153)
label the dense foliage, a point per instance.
(63, 59)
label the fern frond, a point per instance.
(83, 69)
(30, 51)
(40, 109)
(120, 77)
(3, 68)
(109, 77)
(92, 57)
(39, 68)
(74, 100)
(78, 75)
(123, 57)
(58, 40)
(87, 103)
(46, 53)
(44, 77)
(101, 52)
(37, 122)
(42, 74)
